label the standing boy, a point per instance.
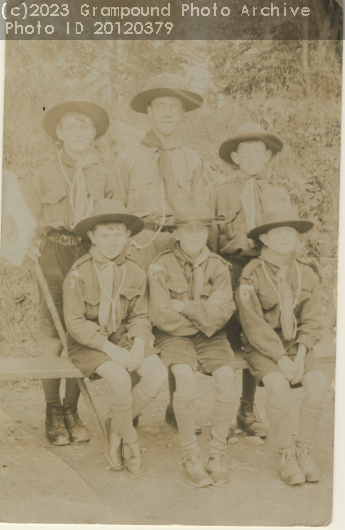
(62, 193)
(160, 172)
(106, 314)
(240, 202)
(280, 312)
(190, 302)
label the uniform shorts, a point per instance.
(259, 365)
(209, 353)
(88, 360)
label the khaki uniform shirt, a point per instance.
(168, 282)
(139, 185)
(49, 194)
(82, 295)
(259, 309)
(229, 238)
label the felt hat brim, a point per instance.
(96, 112)
(299, 225)
(190, 220)
(135, 224)
(272, 142)
(191, 100)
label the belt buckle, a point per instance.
(65, 239)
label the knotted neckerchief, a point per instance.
(194, 271)
(80, 201)
(251, 200)
(284, 292)
(165, 167)
(111, 275)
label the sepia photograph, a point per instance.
(168, 272)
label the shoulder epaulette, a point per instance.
(252, 265)
(229, 180)
(81, 260)
(134, 260)
(311, 265)
(168, 251)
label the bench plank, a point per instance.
(14, 368)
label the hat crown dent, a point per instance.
(251, 128)
(108, 207)
(280, 213)
(165, 80)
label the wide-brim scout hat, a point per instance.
(96, 112)
(191, 213)
(280, 215)
(166, 85)
(107, 211)
(249, 132)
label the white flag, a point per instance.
(16, 221)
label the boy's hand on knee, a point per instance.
(286, 365)
(136, 355)
(298, 369)
(117, 354)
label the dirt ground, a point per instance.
(73, 484)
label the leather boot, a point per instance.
(77, 430)
(113, 451)
(195, 472)
(218, 470)
(170, 419)
(133, 462)
(289, 469)
(311, 472)
(55, 427)
(249, 420)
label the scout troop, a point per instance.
(105, 232)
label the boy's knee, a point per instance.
(154, 371)
(315, 386)
(277, 388)
(117, 377)
(185, 378)
(224, 378)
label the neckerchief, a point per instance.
(164, 164)
(111, 275)
(284, 291)
(251, 198)
(80, 201)
(193, 270)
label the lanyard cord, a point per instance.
(112, 300)
(89, 204)
(161, 223)
(276, 290)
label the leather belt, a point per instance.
(64, 238)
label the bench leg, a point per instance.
(91, 408)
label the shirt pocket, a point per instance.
(96, 194)
(92, 301)
(206, 290)
(178, 289)
(128, 296)
(229, 216)
(54, 205)
(269, 302)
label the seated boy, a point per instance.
(279, 308)
(106, 315)
(240, 201)
(190, 302)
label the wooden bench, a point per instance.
(17, 369)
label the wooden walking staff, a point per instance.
(50, 303)
(62, 335)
